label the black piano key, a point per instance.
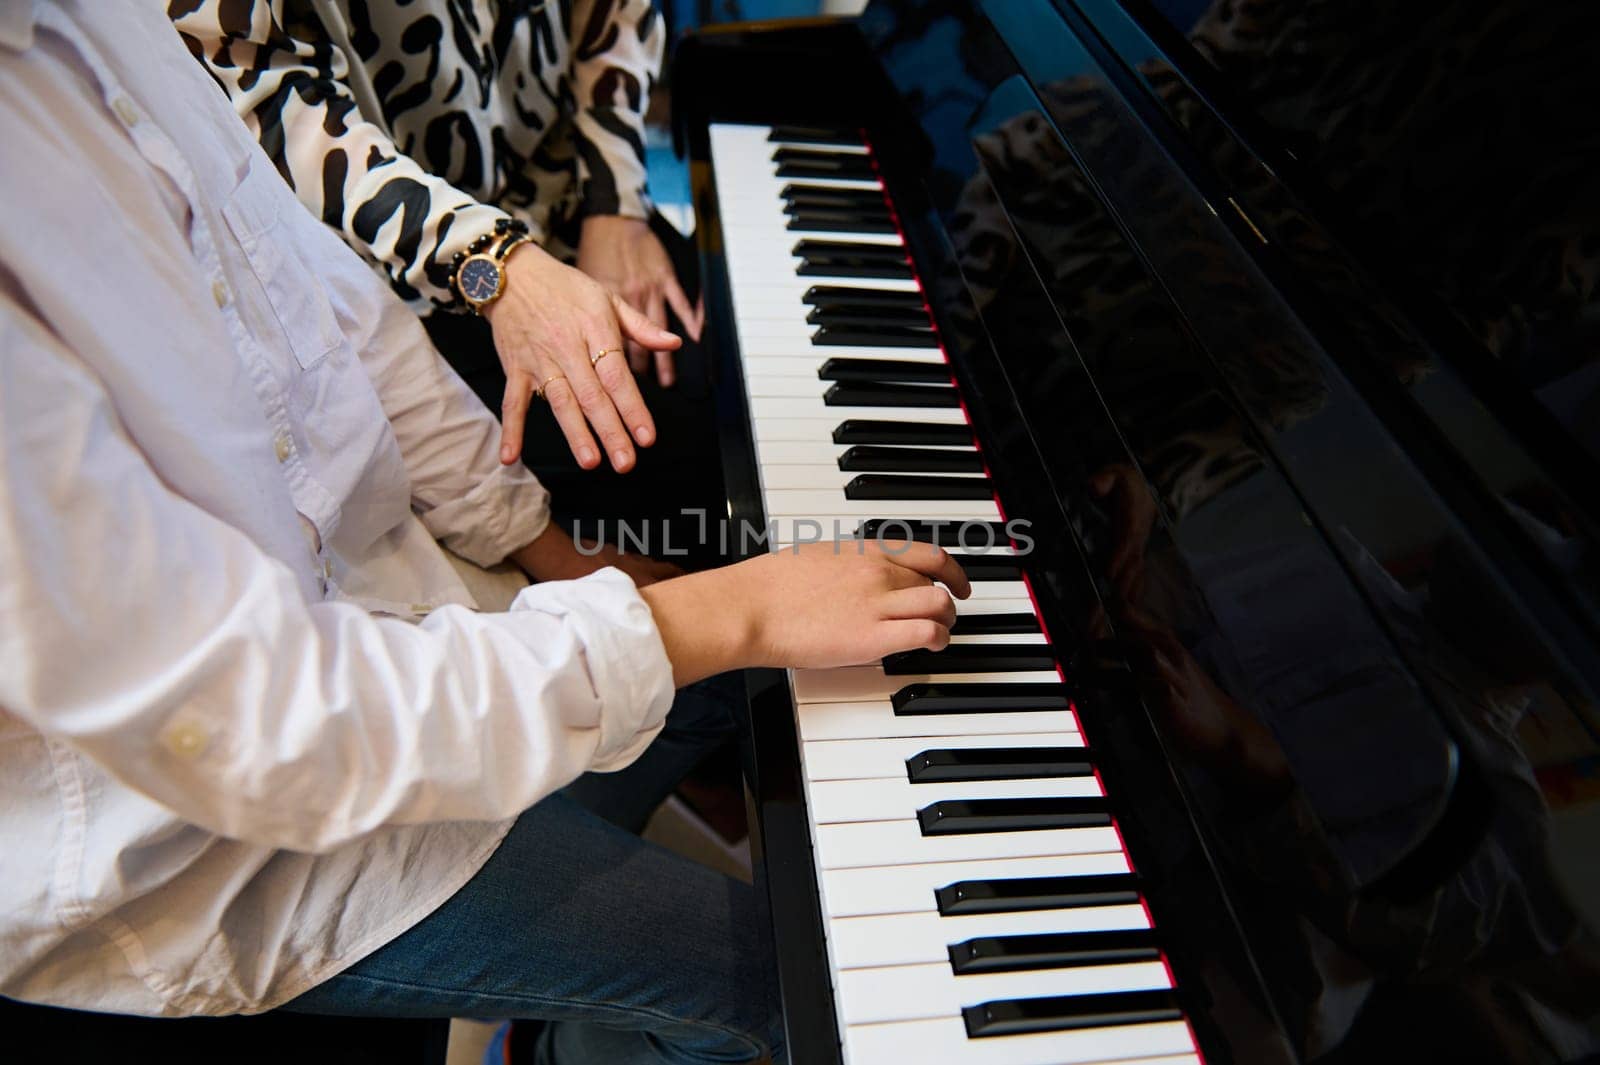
(874, 336)
(1021, 894)
(956, 817)
(941, 765)
(1070, 1012)
(814, 135)
(964, 534)
(869, 431)
(908, 317)
(798, 199)
(821, 163)
(870, 459)
(826, 296)
(848, 266)
(991, 624)
(869, 394)
(989, 567)
(971, 658)
(912, 486)
(1060, 950)
(816, 248)
(916, 699)
(835, 222)
(886, 370)
(835, 197)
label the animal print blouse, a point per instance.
(412, 126)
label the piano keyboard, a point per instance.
(979, 906)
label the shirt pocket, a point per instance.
(254, 214)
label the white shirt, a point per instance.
(226, 451)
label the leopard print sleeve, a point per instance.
(616, 53)
(290, 84)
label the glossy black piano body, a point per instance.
(1281, 331)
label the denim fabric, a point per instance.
(637, 955)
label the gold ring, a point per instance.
(538, 393)
(602, 353)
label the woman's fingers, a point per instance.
(569, 415)
(602, 389)
(691, 316)
(623, 391)
(666, 366)
(635, 326)
(514, 415)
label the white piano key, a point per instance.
(774, 385)
(925, 937)
(804, 503)
(998, 639)
(888, 799)
(762, 353)
(994, 604)
(944, 1041)
(761, 367)
(854, 684)
(910, 888)
(810, 386)
(873, 843)
(1015, 591)
(832, 183)
(831, 478)
(765, 279)
(917, 992)
(842, 149)
(884, 756)
(872, 719)
(825, 452)
(779, 231)
(765, 407)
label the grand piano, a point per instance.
(1248, 354)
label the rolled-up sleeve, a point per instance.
(219, 692)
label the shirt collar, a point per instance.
(16, 23)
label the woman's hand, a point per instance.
(548, 324)
(823, 605)
(625, 256)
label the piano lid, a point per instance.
(1344, 543)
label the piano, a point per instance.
(1248, 357)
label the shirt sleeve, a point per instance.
(616, 58)
(291, 87)
(449, 441)
(220, 692)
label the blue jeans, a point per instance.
(636, 954)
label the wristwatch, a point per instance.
(478, 275)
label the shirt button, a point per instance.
(327, 568)
(186, 739)
(219, 292)
(126, 111)
(421, 610)
(281, 446)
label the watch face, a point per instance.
(479, 279)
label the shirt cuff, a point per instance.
(504, 512)
(626, 661)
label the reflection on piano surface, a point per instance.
(1271, 731)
